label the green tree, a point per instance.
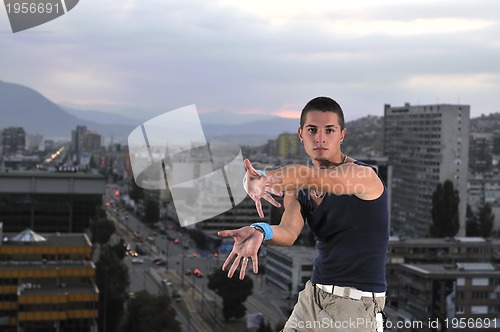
(112, 280)
(471, 225)
(120, 249)
(151, 212)
(444, 211)
(148, 313)
(486, 219)
(101, 230)
(233, 292)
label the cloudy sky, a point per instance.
(142, 58)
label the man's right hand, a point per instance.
(247, 241)
(256, 186)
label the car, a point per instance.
(137, 261)
(166, 283)
(161, 262)
(188, 272)
(198, 273)
(176, 241)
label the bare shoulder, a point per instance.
(371, 186)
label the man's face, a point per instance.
(322, 136)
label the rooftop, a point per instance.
(443, 241)
(457, 270)
(29, 237)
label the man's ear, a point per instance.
(344, 131)
(299, 131)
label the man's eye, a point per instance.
(329, 131)
(312, 130)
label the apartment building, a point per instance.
(432, 279)
(426, 145)
(47, 283)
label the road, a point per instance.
(199, 305)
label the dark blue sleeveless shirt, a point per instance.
(351, 237)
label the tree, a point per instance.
(471, 226)
(151, 212)
(233, 292)
(148, 313)
(102, 229)
(112, 280)
(444, 211)
(120, 249)
(486, 219)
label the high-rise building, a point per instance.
(480, 152)
(84, 141)
(13, 141)
(426, 145)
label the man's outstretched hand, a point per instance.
(247, 242)
(258, 186)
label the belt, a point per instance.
(349, 292)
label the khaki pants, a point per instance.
(317, 310)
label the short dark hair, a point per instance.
(323, 104)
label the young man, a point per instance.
(345, 204)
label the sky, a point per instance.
(143, 58)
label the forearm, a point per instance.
(282, 237)
(346, 179)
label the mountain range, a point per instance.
(21, 106)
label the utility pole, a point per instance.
(105, 299)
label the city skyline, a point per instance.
(260, 57)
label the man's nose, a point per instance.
(320, 138)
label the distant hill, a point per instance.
(21, 106)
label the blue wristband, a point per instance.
(268, 231)
(258, 171)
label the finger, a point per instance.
(258, 205)
(233, 268)
(244, 265)
(249, 167)
(274, 191)
(271, 200)
(273, 179)
(255, 263)
(228, 261)
(226, 233)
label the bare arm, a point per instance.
(291, 223)
(247, 240)
(345, 179)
